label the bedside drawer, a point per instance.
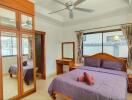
(130, 81)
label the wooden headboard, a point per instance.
(111, 58)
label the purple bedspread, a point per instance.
(109, 85)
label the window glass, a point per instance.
(92, 44)
(114, 43)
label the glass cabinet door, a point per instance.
(26, 22)
(27, 62)
(7, 18)
(9, 64)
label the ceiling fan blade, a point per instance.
(57, 11)
(78, 2)
(59, 2)
(71, 14)
(84, 9)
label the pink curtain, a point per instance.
(79, 47)
(127, 30)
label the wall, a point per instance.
(69, 30)
(8, 61)
(57, 32)
(54, 34)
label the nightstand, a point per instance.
(76, 66)
(129, 82)
(72, 68)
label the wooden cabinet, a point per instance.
(17, 49)
(130, 82)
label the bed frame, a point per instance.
(100, 56)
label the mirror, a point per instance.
(26, 22)
(27, 63)
(7, 18)
(68, 49)
(9, 64)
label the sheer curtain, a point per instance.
(79, 46)
(127, 30)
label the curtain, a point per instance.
(79, 47)
(127, 30)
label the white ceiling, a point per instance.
(100, 6)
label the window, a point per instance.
(92, 44)
(113, 43)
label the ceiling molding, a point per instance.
(50, 20)
(118, 12)
(129, 2)
(44, 11)
(62, 21)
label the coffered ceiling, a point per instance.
(100, 7)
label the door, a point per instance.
(40, 54)
(27, 63)
(10, 64)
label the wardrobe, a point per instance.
(17, 49)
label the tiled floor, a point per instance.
(10, 86)
(42, 94)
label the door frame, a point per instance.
(43, 59)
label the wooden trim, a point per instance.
(21, 5)
(103, 31)
(1, 78)
(40, 32)
(43, 59)
(33, 56)
(62, 49)
(28, 93)
(18, 65)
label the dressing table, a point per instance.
(68, 57)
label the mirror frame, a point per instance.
(73, 43)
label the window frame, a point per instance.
(96, 32)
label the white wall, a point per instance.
(57, 32)
(69, 30)
(7, 61)
(54, 35)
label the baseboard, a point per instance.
(51, 75)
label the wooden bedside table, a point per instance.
(130, 83)
(76, 66)
(72, 68)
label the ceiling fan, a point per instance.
(70, 6)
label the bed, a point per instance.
(109, 84)
(27, 71)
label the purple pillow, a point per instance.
(93, 62)
(112, 65)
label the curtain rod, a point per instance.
(101, 27)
